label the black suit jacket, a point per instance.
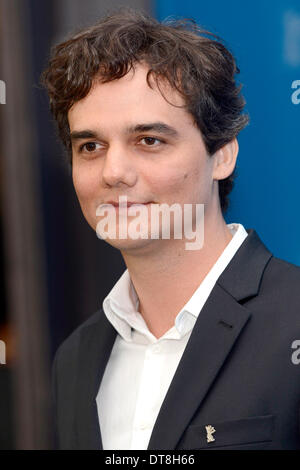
(236, 373)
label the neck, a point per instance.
(166, 275)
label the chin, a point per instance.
(129, 245)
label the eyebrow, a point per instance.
(159, 127)
(85, 134)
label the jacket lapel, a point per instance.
(96, 342)
(215, 332)
(218, 327)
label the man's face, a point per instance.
(127, 140)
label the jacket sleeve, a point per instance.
(54, 402)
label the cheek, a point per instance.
(84, 182)
(173, 182)
(166, 183)
(85, 186)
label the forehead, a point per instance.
(129, 99)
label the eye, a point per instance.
(89, 147)
(151, 141)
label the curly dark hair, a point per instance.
(194, 62)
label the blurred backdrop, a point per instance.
(54, 271)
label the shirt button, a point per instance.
(156, 348)
(143, 426)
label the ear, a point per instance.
(225, 160)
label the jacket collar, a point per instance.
(243, 275)
(222, 318)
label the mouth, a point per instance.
(128, 203)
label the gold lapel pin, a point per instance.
(209, 433)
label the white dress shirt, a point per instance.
(141, 367)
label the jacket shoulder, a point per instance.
(68, 348)
(283, 271)
(280, 289)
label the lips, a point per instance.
(128, 203)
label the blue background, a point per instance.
(264, 36)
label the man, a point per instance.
(193, 347)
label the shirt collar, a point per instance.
(196, 302)
(121, 304)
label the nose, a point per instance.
(118, 168)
